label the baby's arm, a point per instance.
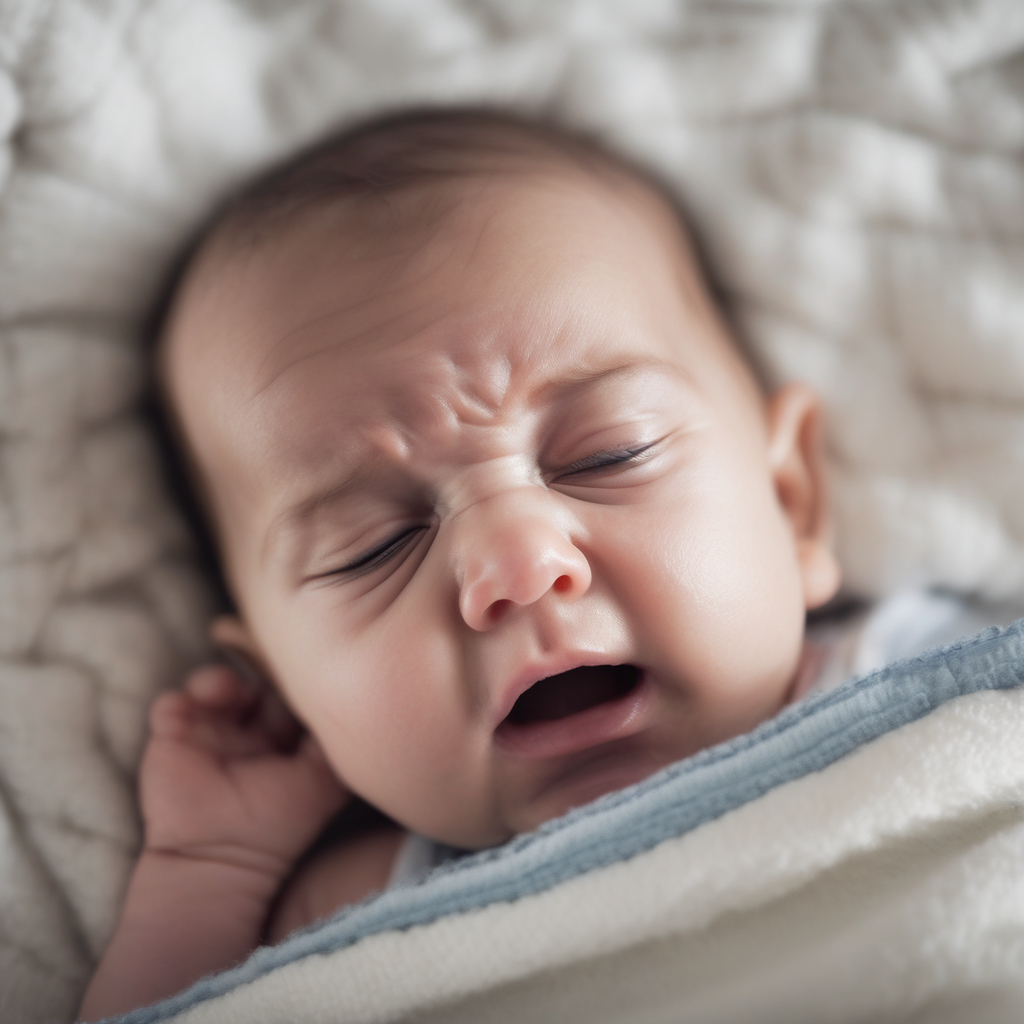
(340, 874)
(231, 795)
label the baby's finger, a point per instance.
(221, 733)
(212, 714)
(220, 688)
(169, 715)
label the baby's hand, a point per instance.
(229, 776)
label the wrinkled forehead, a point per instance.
(403, 301)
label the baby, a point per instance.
(506, 518)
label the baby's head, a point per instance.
(504, 513)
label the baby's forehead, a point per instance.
(472, 279)
(385, 253)
(385, 192)
(394, 226)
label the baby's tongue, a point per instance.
(570, 692)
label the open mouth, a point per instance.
(570, 692)
(573, 710)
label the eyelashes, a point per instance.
(380, 555)
(603, 460)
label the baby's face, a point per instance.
(508, 446)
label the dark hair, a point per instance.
(411, 149)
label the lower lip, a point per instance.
(602, 723)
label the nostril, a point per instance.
(497, 609)
(562, 584)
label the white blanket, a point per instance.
(853, 168)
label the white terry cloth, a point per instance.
(853, 169)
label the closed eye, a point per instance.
(380, 555)
(603, 460)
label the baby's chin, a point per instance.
(604, 773)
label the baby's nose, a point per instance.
(513, 552)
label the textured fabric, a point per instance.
(853, 169)
(805, 738)
(901, 626)
(417, 856)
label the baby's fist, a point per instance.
(229, 775)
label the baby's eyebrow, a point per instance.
(299, 513)
(581, 380)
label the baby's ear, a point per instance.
(232, 636)
(798, 469)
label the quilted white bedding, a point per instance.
(853, 167)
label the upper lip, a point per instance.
(535, 671)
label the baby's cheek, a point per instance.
(722, 613)
(397, 734)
